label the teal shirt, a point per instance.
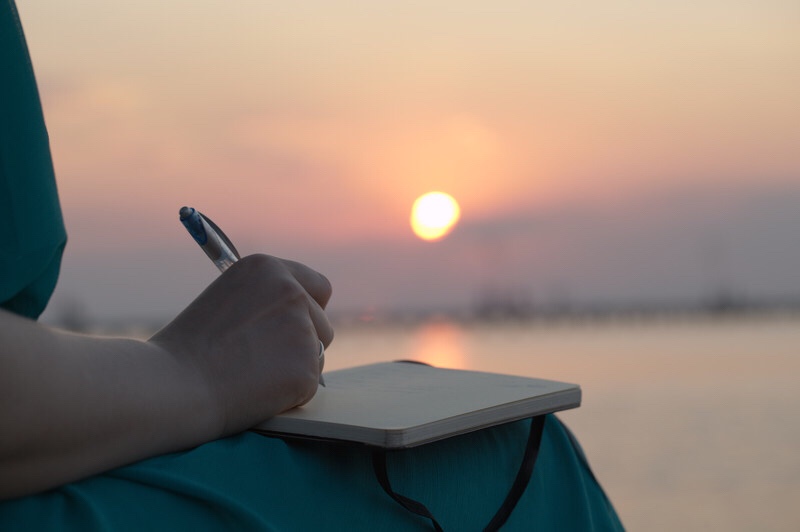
(32, 235)
(249, 481)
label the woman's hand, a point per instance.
(254, 337)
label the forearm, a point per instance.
(72, 406)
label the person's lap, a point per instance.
(254, 482)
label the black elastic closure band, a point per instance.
(379, 465)
(512, 498)
(523, 475)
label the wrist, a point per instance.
(196, 401)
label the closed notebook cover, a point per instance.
(398, 404)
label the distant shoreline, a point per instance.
(531, 316)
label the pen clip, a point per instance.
(221, 234)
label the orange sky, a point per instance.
(319, 123)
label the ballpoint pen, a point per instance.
(212, 240)
(221, 250)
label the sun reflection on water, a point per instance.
(441, 344)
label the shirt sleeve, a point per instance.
(32, 234)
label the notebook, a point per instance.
(404, 404)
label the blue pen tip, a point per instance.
(186, 212)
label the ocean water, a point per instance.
(689, 424)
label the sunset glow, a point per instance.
(434, 215)
(585, 143)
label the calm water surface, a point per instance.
(689, 424)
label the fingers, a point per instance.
(321, 323)
(316, 284)
(273, 268)
(319, 289)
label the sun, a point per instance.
(434, 215)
